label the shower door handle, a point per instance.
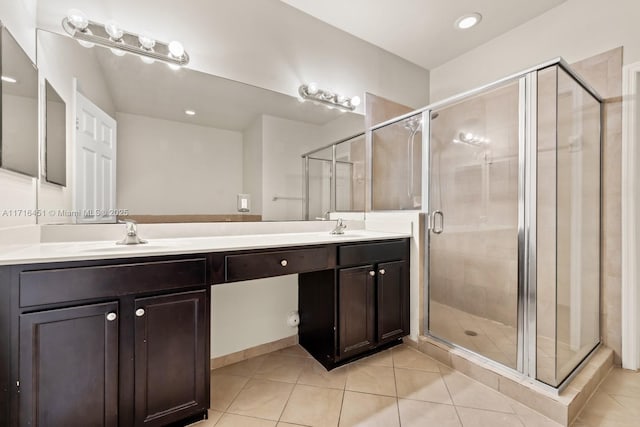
(437, 227)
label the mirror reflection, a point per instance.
(55, 137)
(163, 145)
(19, 143)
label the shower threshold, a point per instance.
(559, 404)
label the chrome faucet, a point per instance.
(339, 227)
(324, 217)
(132, 237)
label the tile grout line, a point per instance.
(451, 397)
(395, 384)
(289, 398)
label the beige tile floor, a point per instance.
(397, 387)
(616, 403)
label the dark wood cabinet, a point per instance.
(126, 342)
(105, 343)
(364, 309)
(393, 300)
(171, 356)
(69, 366)
(356, 310)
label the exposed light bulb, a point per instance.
(78, 19)
(117, 52)
(340, 98)
(355, 101)
(85, 43)
(468, 136)
(147, 60)
(146, 41)
(190, 112)
(9, 79)
(114, 30)
(176, 49)
(312, 88)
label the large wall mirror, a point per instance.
(19, 141)
(55, 137)
(164, 145)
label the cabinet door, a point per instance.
(393, 300)
(69, 367)
(171, 360)
(356, 305)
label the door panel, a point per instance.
(357, 306)
(474, 180)
(393, 300)
(96, 163)
(69, 367)
(171, 357)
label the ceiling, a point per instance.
(157, 91)
(422, 31)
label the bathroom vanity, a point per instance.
(97, 335)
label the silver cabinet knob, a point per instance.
(372, 273)
(140, 312)
(111, 316)
(381, 271)
(284, 263)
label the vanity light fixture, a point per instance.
(467, 21)
(113, 36)
(313, 93)
(9, 79)
(471, 139)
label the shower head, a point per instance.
(413, 124)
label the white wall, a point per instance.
(18, 192)
(169, 168)
(247, 314)
(265, 43)
(19, 16)
(283, 143)
(252, 164)
(574, 30)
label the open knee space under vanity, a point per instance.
(131, 334)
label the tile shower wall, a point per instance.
(604, 73)
(477, 189)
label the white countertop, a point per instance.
(80, 251)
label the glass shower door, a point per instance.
(474, 219)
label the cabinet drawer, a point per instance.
(78, 283)
(277, 263)
(365, 253)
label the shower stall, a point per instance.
(512, 186)
(334, 178)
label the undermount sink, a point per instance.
(348, 234)
(126, 248)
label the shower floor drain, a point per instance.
(471, 333)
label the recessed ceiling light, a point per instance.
(467, 21)
(190, 112)
(9, 79)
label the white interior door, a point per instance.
(95, 186)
